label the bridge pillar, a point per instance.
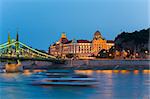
(12, 68)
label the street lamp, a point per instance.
(110, 54)
(136, 54)
(146, 52)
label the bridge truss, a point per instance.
(14, 49)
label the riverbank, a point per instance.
(98, 65)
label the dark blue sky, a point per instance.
(41, 22)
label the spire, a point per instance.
(63, 38)
(9, 39)
(17, 44)
(74, 40)
(17, 37)
(63, 35)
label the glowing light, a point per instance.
(27, 72)
(107, 71)
(116, 71)
(136, 72)
(35, 71)
(10, 75)
(146, 52)
(110, 54)
(146, 71)
(136, 54)
(124, 71)
(88, 72)
(98, 71)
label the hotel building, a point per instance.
(80, 48)
(99, 43)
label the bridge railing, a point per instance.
(22, 52)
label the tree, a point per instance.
(102, 54)
(70, 55)
(133, 41)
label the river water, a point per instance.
(112, 85)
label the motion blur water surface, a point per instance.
(112, 85)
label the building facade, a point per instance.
(99, 43)
(80, 48)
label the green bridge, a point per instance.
(14, 50)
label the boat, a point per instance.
(63, 78)
(2, 70)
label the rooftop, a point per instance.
(83, 41)
(110, 41)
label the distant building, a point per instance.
(80, 48)
(83, 48)
(110, 43)
(99, 43)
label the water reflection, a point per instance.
(38, 70)
(113, 84)
(136, 72)
(121, 83)
(146, 71)
(9, 75)
(104, 71)
(27, 72)
(90, 72)
(87, 72)
(124, 71)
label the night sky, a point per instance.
(41, 22)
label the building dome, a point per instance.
(63, 35)
(63, 38)
(97, 33)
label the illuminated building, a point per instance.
(83, 48)
(99, 43)
(80, 48)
